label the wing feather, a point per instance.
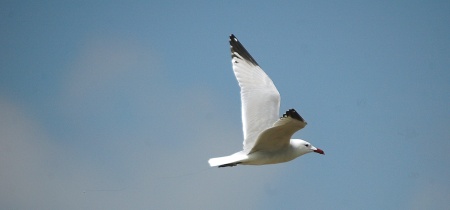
(259, 97)
(279, 136)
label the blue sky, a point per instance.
(119, 104)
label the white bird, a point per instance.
(267, 139)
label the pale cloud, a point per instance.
(23, 149)
(32, 176)
(153, 156)
(106, 72)
(430, 194)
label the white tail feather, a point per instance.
(226, 160)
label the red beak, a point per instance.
(319, 151)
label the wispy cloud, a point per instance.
(146, 143)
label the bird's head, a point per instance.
(306, 147)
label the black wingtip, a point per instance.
(237, 47)
(294, 114)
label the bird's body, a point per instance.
(267, 139)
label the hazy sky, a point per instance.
(119, 104)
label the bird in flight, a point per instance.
(267, 138)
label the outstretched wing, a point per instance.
(259, 96)
(279, 136)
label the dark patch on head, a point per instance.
(237, 47)
(294, 114)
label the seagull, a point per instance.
(267, 138)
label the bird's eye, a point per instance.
(307, 145)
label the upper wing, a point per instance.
(280, 134)
(259, 96)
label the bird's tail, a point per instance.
(227, 160)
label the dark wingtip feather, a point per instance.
(294, 114)
(237, 47)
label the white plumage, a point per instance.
(267, 139)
